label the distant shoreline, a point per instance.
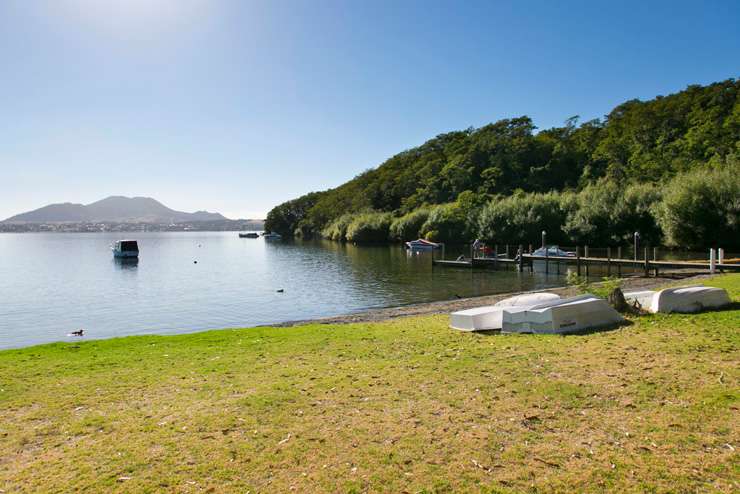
(107, 227)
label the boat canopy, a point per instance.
(128, 245)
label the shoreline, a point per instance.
(451, 305)
(380, 314)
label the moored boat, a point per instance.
(552, 251)
(271, 236)
(249, 235)
(421, 244)
(125, 249)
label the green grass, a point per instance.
(400, 406)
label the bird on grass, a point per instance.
(79, 332)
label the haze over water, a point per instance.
(56, 283)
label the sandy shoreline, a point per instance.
(446, 306)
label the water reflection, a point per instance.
(126, 263)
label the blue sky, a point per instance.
(235, 106)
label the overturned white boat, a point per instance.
(569, 315)
(682, 299)
(489, 317)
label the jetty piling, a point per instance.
(647, 265)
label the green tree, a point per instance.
(702, 208)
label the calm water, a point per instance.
(51, 284)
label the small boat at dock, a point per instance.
(422, 245)
(553, 251)
(271, 236)
(249, 235)
(125, 249)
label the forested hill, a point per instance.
(637, 142)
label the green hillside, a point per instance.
(668, 166)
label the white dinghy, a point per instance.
(683, 299)
(489, 317)
(567, 315)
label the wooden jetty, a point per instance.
(582, 263)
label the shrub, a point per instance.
(408, 226)
(702, 208)
(447, 223)
(583, 285)
(369, 227)
(337, 229)
(606, 213)
(522, 217)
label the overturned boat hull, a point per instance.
(570, 315)
(687, 299)
(489, 318)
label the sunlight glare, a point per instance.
(135, 18)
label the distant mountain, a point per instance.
(114, 209)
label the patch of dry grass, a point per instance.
(400, 406)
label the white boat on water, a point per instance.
(569, 315)
(271, 236)
(421, 244)
(551, 251)
(125, 249)
(489, 317)
(682, 299)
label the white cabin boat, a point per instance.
(552, 251)
(271, 236)
(489, 317)
(569, 315)
(421, 244)
(682, 299)
(125, 249)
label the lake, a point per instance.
(51, 284)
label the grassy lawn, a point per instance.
(406, 405)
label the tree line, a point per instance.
(667, 167)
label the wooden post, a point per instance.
(655, 260)
(619, 264)
(521, 258)
(578, 260)
(507, 251)
(608, 261)
(712, 261)
(495, 256)
(530, 248)
(647, 263)
(585, 254)
(547, 263)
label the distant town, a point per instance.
(95, 227)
